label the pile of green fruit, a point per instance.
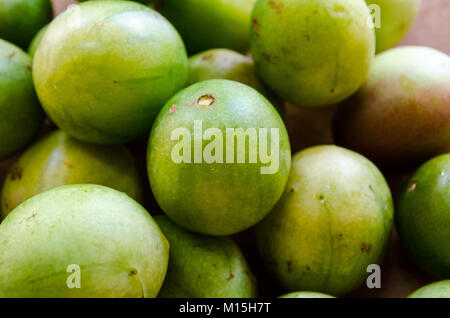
(218, 158)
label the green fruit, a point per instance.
(20, 20)
(401, 115)
(202, 266)
(21, 116)
(333, 220)
(211, 186)
(36, 41)
(312, 52)
(227, 64)
(395, 18)
(435, 290)
(423, 216)
(125, 62)
(207, 24)
(59, 159)
(118, 247)
(306, 295)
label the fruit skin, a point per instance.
(312, 52)
(207, 24)
(58, 159)
(21, 116)
(333, 220)
(435, 290)
(231, 65)
(306, 295)
(20, 20)
(216, 198)
(401, 115)
(423, 216)
(202, 266)
(36, 41)
(126, 61)
(119, 248)
(393, 25)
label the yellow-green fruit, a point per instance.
(393, 19)
(306, 295)
(202, 266)
(435, 290)
(36, 41)
(58, 159)
(86, 236)
(312, 52)
(333, 220)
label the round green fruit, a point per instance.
(306, 295)
(218, 157)
(333, 220)
(423, 216)
(207, 24)
(393, 19)
(228, 64)
(312, 52)
(125, 62)
(434, 290)
(81, 241)
(36, 41)
(401, 115)
(21, 116)
(202, 266)
(20, 20)
(58, 159)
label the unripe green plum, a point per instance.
(58, 159)
(423, 216)
(218, 157)
(36, 41)
(306, 295)
(435, 290)
(125, 62)
(208, 24)
(20, 20)
(312, 52)
(21, 116)
(396, 18)
(118, 248)
(202, 266)
(333, 220)
(401, 115)
(231, 65)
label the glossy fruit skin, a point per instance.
(393, 25)
(435, 290)
(231, 65)
(208, 24)
(202, 266)
(36, 41)
(21, 116)
(333, 220)
(119, 248)
(20, 20)
(312, 52)
(58, 159)
(401, 115)
(423, 216)
(216, 198)
(306, 295)
(126, 61)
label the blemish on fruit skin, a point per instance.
(206, 100)
(132, 272)
(365, 248)
(12, 54)
(412, 186)
(230, 277)
(16, 173)
(275, 6)
(31, 217)
(29, 68)
(115, 82)
(173, 108)
(256, 27)
(206, 57)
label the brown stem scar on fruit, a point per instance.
(206, 100)
(365, 248)
(132, 272)
(173, 108)
(412, 186)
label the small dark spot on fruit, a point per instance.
(289, 266)
(214, 265)
(321, 197)
(365, 248)
(256, 27)
(16, 173)
(292, 189)
(412, 186)
(206, 100)
(275, 6)
(29, 68)
(307, 37)
(332, 91)
(12, 54)
(132, 272)
(115, 82)
(267, 57)
(206, 57)
(68, 164)
(307, 268)
(230, 277)
(173, 108)
(30, 217)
